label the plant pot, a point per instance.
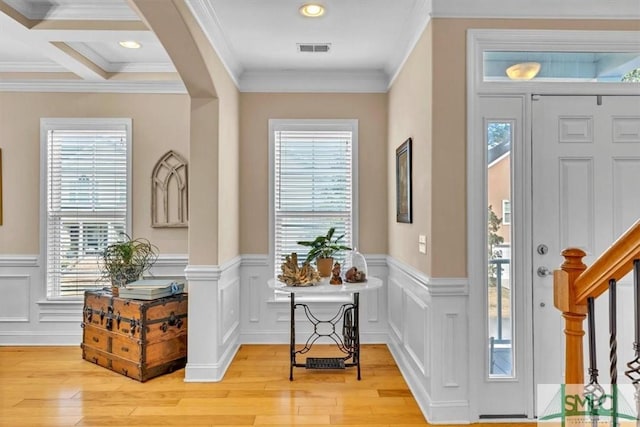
(324, 266)
(115, 291)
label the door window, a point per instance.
(499, 138)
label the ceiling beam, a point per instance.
(91, 25)
(15, 26)
(175, 34)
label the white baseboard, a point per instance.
(213, 372)
(45, 338)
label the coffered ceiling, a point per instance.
(72, 45)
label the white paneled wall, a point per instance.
(266, 317)
(27, 317)
(17, 313)
(214, 319)
(428, 338)
(423, 320)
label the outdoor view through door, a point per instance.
(499, 142)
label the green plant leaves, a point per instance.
(126, 260)
(324, 246)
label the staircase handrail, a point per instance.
(573, 283)
(614, 263)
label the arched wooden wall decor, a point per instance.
(169, 192)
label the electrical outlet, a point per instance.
(422, 239)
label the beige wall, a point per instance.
(410, 116)
(214, 138)
(228, 168)
(437, 70)
(227, 145)
(160, 124)
(255, 111)
(225, 186)
(434, 75)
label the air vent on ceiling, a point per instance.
(314, 47)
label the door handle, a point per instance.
(544, 272)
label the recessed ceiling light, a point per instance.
(312, 10)
(130, 44)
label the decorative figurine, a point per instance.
(353, 275)
(335, 275)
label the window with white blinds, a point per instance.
(87, 198)
(313, 183)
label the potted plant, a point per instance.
(125, 261)
(322, 250)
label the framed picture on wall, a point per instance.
(403, 182)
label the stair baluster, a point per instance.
(592, 391)
(613, 350)
(634, 366)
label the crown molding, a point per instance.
(206, 17)
(140, 67)
(567, 40)
(363, 81)
(120, 67)
(420, 18)
(31, 67)
(98, 10)
(167, 87)
(567, 9)
(356, 81)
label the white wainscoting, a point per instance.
(14, 304)
(423, 320)
(265, 317)
(27, 317)
(214, 319)
(428, 338)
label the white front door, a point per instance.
(586, 193)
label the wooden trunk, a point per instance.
(137, 338)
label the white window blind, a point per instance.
(313, 188)
(87, 202)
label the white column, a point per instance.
(203, 329)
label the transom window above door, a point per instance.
(607, 67)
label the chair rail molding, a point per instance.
(19, 261)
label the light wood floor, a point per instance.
(53, 386)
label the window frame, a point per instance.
(506, 211)
(49, 124)
(310, 125)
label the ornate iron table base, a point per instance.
(348, 342)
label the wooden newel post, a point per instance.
(564, 298)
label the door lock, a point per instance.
(544, 272)
(542, 249)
